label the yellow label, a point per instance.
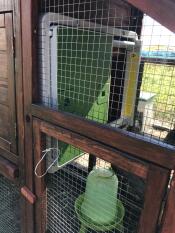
(131, 85)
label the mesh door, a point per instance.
(99, 61)
(68, 184)
(9, 207)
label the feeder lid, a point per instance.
(103, 172)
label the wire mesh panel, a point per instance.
(9, 207)
(98, 189)
(98, 61)
(158, 80)
(83, 200)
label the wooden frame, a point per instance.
(109, 136)
(19, 84)
(104, 136)
(93, 137)
(162, 11)
(28, 10)
(9, 170)
(168, 223)
(29, 17)
(7, 86)
(152, 174)
(11, 81)
(162, 156)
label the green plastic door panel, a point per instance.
(83, 77)
(84, 68)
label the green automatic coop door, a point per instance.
(75, 69)
(83, 72)
(81, 76)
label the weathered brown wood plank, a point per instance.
(7, 84)
(139, 148)
(162, 11)
(95, 148)
(4, 122)
(157, 183)
(1, 20)
(3, 65)
(19, 106)
(169, 215)
(5, 144)
(3, 44)
(3, 95)
(8, 169)
(9, 156)
(11, 81)
(3, 82)
(29, 20)
(27, 31)
(26, 7)
(40, 185)
(6, 5)
(19, 81)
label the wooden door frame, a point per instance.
(19, 84)
(151, 174)
(28, 12)
(11, 80)
(168, 220)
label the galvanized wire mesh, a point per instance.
(92, 64)
(9, 207)
(67, 184)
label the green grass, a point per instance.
(160, 79)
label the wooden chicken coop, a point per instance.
(87, 116)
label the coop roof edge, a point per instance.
(162, 11)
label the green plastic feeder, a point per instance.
(101, 196)
(87, 223)
(98, 208)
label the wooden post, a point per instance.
(168, 225)
(156, 187)
(28, 24)
(40, 186)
